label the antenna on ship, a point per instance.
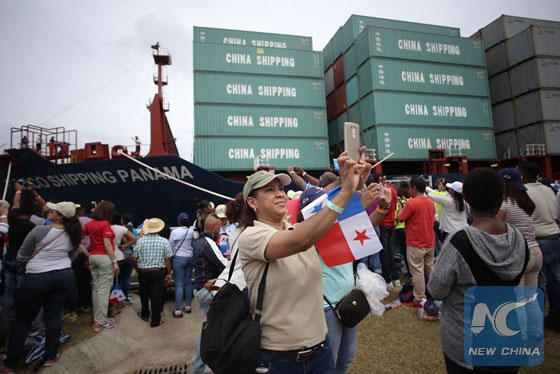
(162, 141)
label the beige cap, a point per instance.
(66, 208)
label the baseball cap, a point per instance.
(455, 186)
(262, 178)
(182, 217)
(513, 176)
(220, 211)
(66, 208)
(309, 195)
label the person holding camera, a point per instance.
(19, 226)
(47, 253)
(293, 326)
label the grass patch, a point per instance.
(79, 331)
(398, 342)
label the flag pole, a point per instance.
(391, 155)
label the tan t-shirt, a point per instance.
(293, 315)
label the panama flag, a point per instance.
(351, 237)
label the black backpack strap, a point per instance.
(481, 273)
(232, 265)
(260, 296)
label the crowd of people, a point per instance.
(58, 262)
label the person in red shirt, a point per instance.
(102, 262)
(419, 215)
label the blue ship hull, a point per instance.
(130, 186)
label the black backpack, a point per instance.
(231, 338)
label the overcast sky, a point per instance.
(58, 52)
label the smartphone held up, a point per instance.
(352, 140)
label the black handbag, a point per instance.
(231, 337)
(352, 309)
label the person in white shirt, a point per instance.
(547, 233)
(181, 240)
(453, 215)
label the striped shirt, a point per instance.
(520, 219)
(151, 251)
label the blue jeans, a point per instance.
(125, 273)
(386, 255)
(320, 363)
(182, 273)
(342, 341)
(549, 276)
(49, 290)
(12, 282)
(204, 298)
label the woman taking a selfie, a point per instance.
(47, 252)
(293, 321)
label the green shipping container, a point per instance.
(236, 120)
(257, 60)
(338, 44)
(336, 129)
(352, 91)
(380, 42)
(350, 63)
(397, 108)
(238, 154)
(355, 113)
(399, 75)
(356, 24)
(250, 38)
(258, 90)
(412, 143)
(327, 55)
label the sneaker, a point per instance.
(98, 327)
(187, 309)
(50, 363)
(5, 370)
(108, 324)
(177, 314)
(396, 283)
(129, 301)
(70, 317)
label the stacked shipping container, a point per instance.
(411, 87)
(258, 96)
(523, 58)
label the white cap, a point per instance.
(220, 211)
(455, 186)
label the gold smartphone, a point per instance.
(352, 140)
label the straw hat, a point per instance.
(153, 226)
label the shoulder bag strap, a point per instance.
(260, 296)
(182, 241)
(328, 302)
(44, 246)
